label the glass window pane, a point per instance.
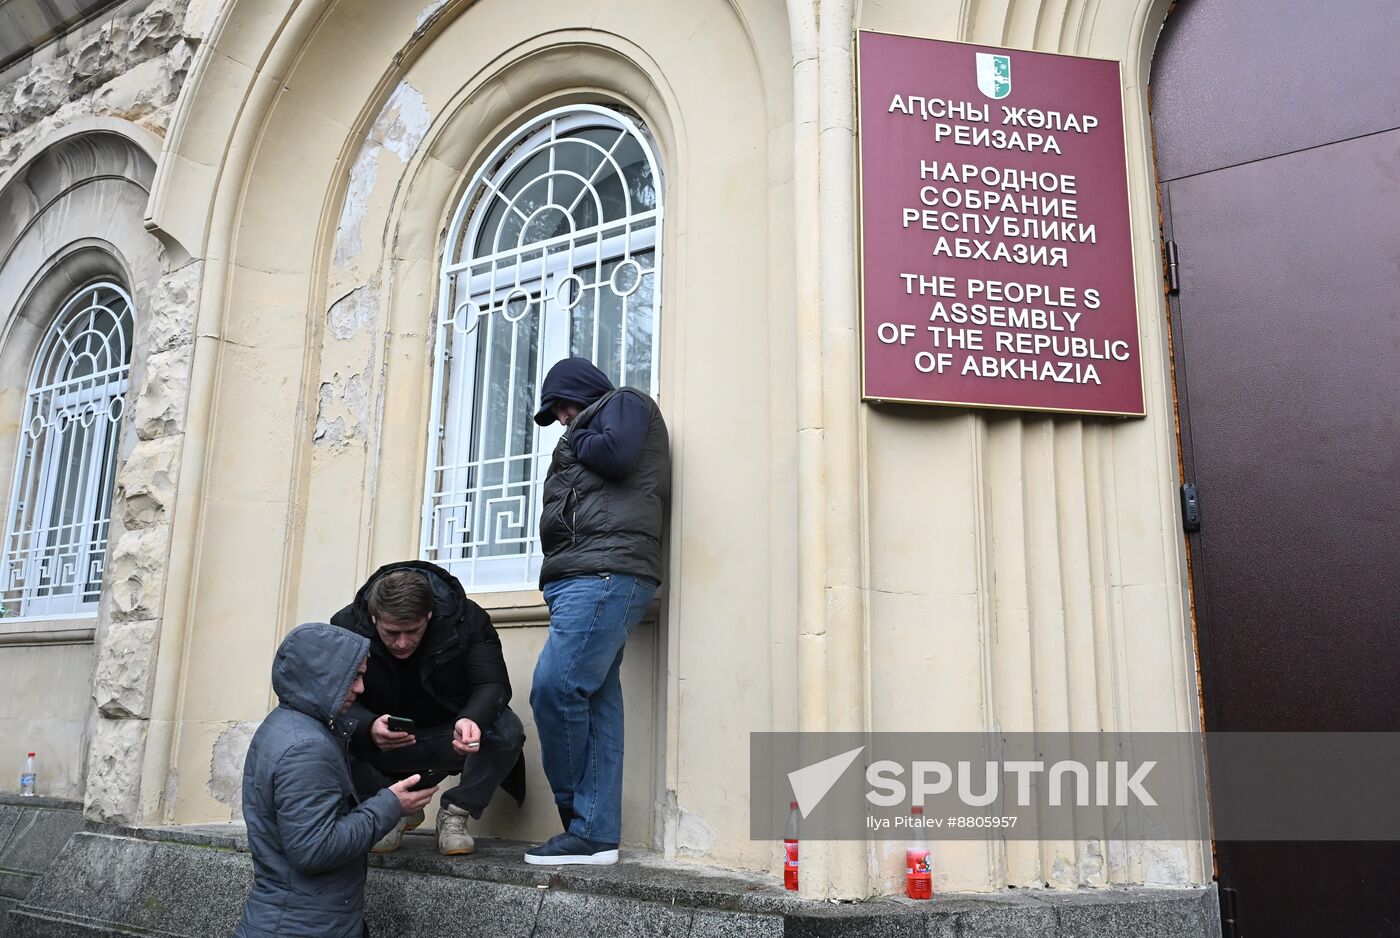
(639, 328)
(549, 270)
(607, 350)
(61, 500)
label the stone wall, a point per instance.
(129, 64)
(32, 833)
(118, 77)
(193, 882)
(134, 589)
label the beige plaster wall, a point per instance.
(1027, 573)
(325, 320)
(72, 209)
(44, 707)
(312, 166)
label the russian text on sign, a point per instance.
(1003, 203)
(997, 177)
(994, 222)
(975, 223)
(977, 249)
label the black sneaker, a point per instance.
(571, 848)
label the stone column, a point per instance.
(134, 588)
(831, 660)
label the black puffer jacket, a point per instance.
(308, 838)
(591, 523)
(462, 665)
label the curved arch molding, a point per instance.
(73, 213)
(311, 164)
(310, 185)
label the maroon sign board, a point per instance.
(996, 253)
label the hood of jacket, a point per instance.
(573, 379)
(449, 605)
(314, 668)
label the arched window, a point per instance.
(551, 253)
(62, 498)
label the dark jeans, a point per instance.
(577, 696)
(481, 771)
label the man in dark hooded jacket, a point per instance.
(434, 658)
(308, 836)
(601, 523)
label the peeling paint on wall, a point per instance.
(428, 12)
(694, 835)
(352, 313)
(329, 432)
(1165, 863)
(398, 129)
(1092, 864)
(343, 400)
(342, 412)
(226, 765)
(131, 67)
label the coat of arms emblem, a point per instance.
(994, 75)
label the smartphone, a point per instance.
(401, 724)
(428, 780)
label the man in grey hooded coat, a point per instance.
(308, 836)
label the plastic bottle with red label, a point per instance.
(790, 848)
(918, 863)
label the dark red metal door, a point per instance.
(1278, 156)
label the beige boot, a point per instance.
(392, 840)
(414, 820)
(452, 836)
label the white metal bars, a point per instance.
(552, 252)
(61, 502)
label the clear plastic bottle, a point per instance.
(918, 866)
(26, 779)
(790, 848)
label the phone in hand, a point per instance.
(401, 724)
(428, 780)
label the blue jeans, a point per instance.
(577, 696)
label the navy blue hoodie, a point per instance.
(612, 442)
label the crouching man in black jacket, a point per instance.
(435, 659)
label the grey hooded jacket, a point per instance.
(308, 838)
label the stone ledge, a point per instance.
(39, 801)
(32, 833)
(191, 881)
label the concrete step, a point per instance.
(32, 832)
(192, 881)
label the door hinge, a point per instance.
(1190, 507)
(1229, 924)
(1173, 280)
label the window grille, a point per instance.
(552, 252)
(60, 506)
